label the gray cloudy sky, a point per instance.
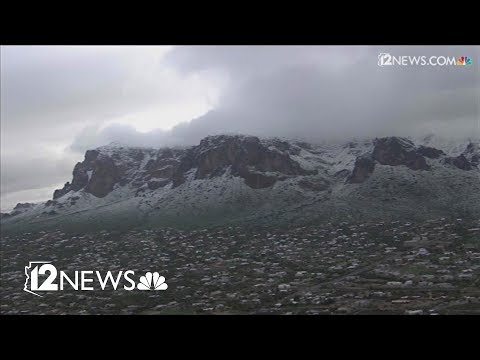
(58, 101)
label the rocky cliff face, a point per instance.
(364, 166)
(4, 215)
(246, 156)
(430, 152)
(18, 209)
(259, 163)
(468, 159)
(472, 153)
(460, 162)
(236, 177)
(396, 151)
(23, 206)
(97, 174)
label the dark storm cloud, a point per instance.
(310, 92)
(319, 93)
(357, 98)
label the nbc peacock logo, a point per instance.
(152, 281)
(43, 276)
(464, 60)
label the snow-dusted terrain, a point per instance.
(245, 180)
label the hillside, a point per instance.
(234, 179)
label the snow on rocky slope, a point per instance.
(244, 179)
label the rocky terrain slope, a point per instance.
(234, 179)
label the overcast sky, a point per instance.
(58, 101)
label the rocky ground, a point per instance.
(430, 267)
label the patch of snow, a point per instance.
(147, 157)
(451, 146)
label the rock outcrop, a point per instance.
(247, 157)
(393, 151)
(237, 178)
(460, 162)
(104, 176)
(244, 156)
(259, 163)
(396, 151)
(23, 206)
(472, 153)
(430, 152)
(165, 165)
(364, 166)
(18, 209)
(60, 192)
(97, 175)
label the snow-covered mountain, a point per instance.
(229, 179)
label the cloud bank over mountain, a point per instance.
(59, 101)
(321, 93)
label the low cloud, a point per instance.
(80, 99)
(319, 93)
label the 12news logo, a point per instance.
(386, 59)
(85, 280)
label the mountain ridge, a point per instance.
(246, 179)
